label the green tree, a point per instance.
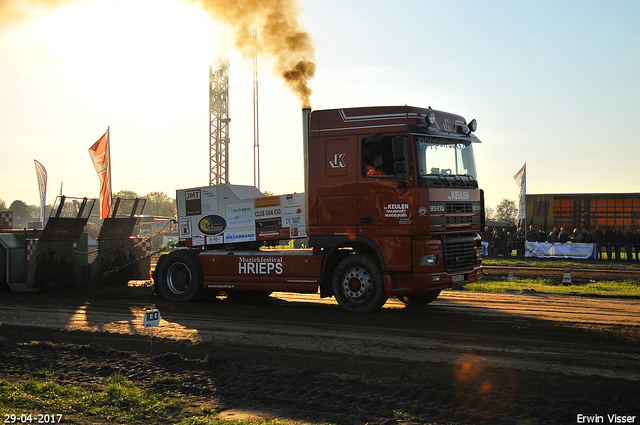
(506, 210)
(21, 213)
(3, 205)
(160, 204)
(489, 213)
(125, 194)
(34, 211)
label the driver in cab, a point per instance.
(374, 169)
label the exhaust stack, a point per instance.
(306, 113)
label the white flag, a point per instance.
(41, 173)
(521, 180)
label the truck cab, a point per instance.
(398, 185)
(391, 208)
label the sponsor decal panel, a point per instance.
(260, 265)
(185, 227)
(396, 210)
(221, 286)
(293, 221)
(240, 215)
(268, 218)
(297, 232)
(268, 213)
(209, 201)
(212, 225)
(266, 202)
(269, 223)
(192, 202)
(203, 222)
(275, 233)
(294, 217)
(246, 236)
(212, 240)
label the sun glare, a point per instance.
(128, 47)
(141, 68)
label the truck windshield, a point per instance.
(445, 161)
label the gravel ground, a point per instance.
(462, 360)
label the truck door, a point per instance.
(336, 186)
(385, 202)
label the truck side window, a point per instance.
(385, 156)
(377, 156)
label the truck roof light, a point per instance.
(472, 126)
(430, 119)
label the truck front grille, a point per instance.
(450, 217)
(459, 253)
(458, 208)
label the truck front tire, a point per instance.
(180, 276)
(357, 285)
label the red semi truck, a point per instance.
(391, 208)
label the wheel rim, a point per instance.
(357, 283)
(178, 278)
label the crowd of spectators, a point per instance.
(501, 241)
(612, 242)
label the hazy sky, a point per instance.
(555, 84)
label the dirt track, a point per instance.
(467, 358)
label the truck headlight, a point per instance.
(427, 260)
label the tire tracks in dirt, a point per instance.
(467, 358)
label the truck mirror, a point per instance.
(399, 146)
(400, 154)
(400, 168)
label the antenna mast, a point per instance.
(256, 133)
(219, 123)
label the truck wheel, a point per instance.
(357, 285)
(180, 276)
(419, 300)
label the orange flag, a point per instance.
(101, 157)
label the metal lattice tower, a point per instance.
(219, 123)
(256, 131)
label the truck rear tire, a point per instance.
(180, 276)
(357, 285)
(419, 300)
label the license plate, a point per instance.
(458, 278)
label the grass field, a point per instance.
(624, 288)
(559, 262)
(611, 288)
(40, 399)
